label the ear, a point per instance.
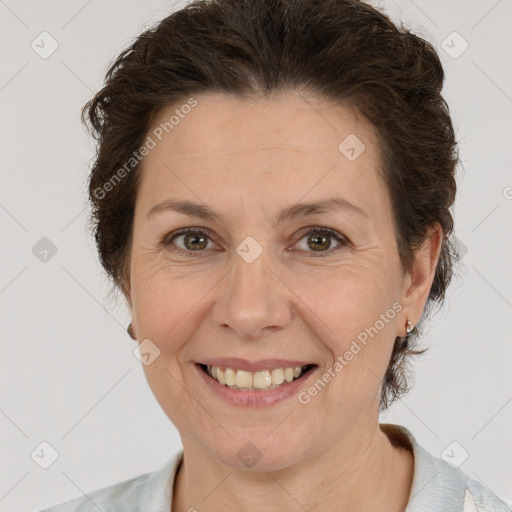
(418, 282)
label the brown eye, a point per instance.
(319, 240)
(193, 240)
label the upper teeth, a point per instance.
(265, 379)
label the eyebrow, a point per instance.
(294, 212)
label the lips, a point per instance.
(263, 396)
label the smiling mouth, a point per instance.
(255, 381)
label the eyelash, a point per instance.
(168, 238)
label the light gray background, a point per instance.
(68, 373)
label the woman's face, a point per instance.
(255, 284)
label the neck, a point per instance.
(362, 470)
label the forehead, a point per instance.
(275, 149)
(225, 122)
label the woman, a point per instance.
(272, 195)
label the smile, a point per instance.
(262, 380)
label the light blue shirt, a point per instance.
(436, 487)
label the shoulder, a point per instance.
(148, 491)
(437, 485)
(474, 495)
(478, 498)
(105, 499)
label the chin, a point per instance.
(258, 452)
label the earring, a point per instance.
(129, 330)
(409, 328)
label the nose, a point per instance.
(253, 300)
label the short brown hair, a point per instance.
(342, 50)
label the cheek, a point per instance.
(348, 299)
(354, 312)
(161, 296)
(166, 312)
(168, 308)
